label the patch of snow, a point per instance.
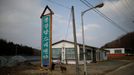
(13, 61)
(3, 61)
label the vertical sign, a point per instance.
(46, 40)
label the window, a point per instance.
(70, 53)
(117, 52)
(56, 53)
(88, 54)
(81, 54)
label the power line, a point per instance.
(68, 24)
(101, 0)
(104, 16)
(121, 13)
(59, 4)
(127, 2)
(118, 11)
(125, 5)
(114, 8)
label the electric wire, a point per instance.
(127, 2)
(104, 16)
(118, 11)
(127, 8)
(61, 5)
(124, 13)
(68, 25)
(114, 8)
(125, 5)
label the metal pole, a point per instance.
(75, 42)
(83, 38)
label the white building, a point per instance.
(116, 50)
(64, 51)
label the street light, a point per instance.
(83, 38)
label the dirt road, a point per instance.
(124, 70)
(99, 68)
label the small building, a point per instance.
(116, 50)
(119, 52)
(64, 51)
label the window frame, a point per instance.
(71, 55)
(57, 55)
(118, 51)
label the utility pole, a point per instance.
(75, 41)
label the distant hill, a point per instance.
(126, 41)
(9, 49)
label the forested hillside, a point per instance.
(126, 41)
(9, 48)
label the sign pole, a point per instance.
(46, 38)
(51, 40)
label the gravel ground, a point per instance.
(99, 68)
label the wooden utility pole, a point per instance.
(75, 41)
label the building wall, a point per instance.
(116, 53)
(101, 55)
(91, 53)
(112, 50)
(63, 46)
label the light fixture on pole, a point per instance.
(83, 38)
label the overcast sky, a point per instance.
(20, 21)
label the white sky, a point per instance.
(20, 20)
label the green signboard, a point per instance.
(45, 56)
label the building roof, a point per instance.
(81, 45)
(101, 49)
